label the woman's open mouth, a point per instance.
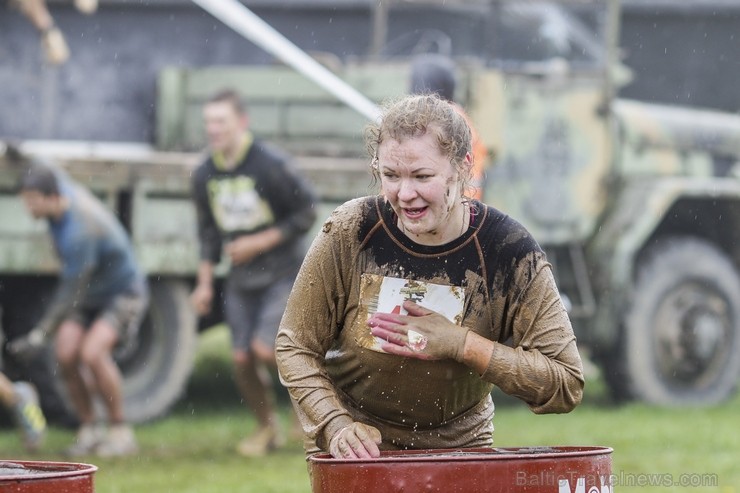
(414, 213)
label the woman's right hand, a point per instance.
(355, 441)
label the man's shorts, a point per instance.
(125, 313)
(256, 313)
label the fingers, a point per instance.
(387, 322)
(234, 253)
(398, 350)
(398, 340)
(416, 310)
(201, 302)
(369, 438)
(389, 335)
(341, 449)
(398, 343)
(203, 308)
(356, 441)
(411, 308)
(240, 251)
(387, 317)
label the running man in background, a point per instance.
(253, 206)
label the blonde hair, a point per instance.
(416, 115)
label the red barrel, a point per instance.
(46, 477)
(489, 470)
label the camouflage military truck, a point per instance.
(634, 203)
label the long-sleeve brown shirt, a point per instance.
(494, 280)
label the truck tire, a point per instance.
(23, 300)
(682, 330)
(157, 367)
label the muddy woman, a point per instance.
(412, 304)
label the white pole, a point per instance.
(245, 22)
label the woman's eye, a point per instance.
(389, 176)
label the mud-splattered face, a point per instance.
(423, 188)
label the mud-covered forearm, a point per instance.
(546, 385)
(318, 407)
(300, 348)
(308, 329)
(543, 366)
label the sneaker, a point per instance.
(261, 442)
(28, 415)
(119, 442)
(86, 441)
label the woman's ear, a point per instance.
(469, 160)
(466, 166)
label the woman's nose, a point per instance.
(406, 190)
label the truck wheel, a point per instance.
(156, 368)
(23, 300)
(682, 331)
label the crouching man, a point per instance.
(99, 302)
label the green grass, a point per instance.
(192, 450)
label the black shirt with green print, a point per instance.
(262, 191)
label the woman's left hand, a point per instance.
(422, 334)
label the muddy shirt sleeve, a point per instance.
(542, 366)
(309, 327)
(291, 197)
(209, 236)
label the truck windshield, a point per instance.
(508, 33)
(540, 31)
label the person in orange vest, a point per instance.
(433, 73)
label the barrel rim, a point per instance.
(43, 470)
(469, 454)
